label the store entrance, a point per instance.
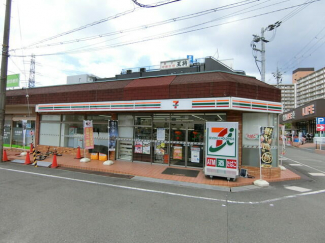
(186, 144)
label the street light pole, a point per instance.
(3, 75)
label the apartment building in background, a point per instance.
(311, 87)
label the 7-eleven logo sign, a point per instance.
(221, 140)
(175, 103)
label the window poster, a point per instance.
(178, 152)
(146, 147)
(160, 133)
(138, 147)
(159, 148)
(195, 155)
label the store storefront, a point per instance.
(19, 127)
(159, 119)
(168, 132)
(303, 119)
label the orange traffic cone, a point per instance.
(78, 156)
(31, 148)
(54, 162)
(27, 160)
(4, 156)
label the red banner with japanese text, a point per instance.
(88, 134)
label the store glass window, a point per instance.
(7, 132)
(71, 135)
(125, 142)
(50, 118)
(73, 118)
(215, 117)
(143, 120)
(250, 137)
(50, 134)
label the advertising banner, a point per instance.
(112, 134)
(178, 152)
(266, 137)
(221, 153)
(138, 147)
(88, 134)
(146, 147)
(13, 80)
(195, 155)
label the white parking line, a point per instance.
(295, 164)
(306, 165)
(297, 188)
(168, 193)
(316, 174)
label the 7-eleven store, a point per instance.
(169, 131)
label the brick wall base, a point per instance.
(61, 150)
(267, 173)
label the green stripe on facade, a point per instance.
(242, 104)
(147, 105)
(203, 103)
(121, 106)
(260, 106)
(275, 107)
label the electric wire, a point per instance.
(24, 73)
(147, 26)
(224, 17)
(290, 63)
(156, 4)
(164, 35)
(85, 26)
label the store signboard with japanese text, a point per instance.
(88, 134)
(181, 63)
(13, 80)
(221, 153)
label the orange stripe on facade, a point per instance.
(257, 103)
(274, 105)
(242, 101)
(147, 103)
(122, 103)
(222, 100)
(216, 129)
(198, 101)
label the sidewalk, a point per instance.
(143, 169)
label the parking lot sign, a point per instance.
(320, 120)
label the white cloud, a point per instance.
(42, 19)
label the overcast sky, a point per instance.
(125, 38)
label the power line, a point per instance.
(164, 35)
(156, 4)
(83, 27)
(291, 61)
(147, 26)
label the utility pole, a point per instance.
(261, 38)
(3, 75)
(278, 77)
(263, 54)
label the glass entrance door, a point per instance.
(186, 144)
(178, 143)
